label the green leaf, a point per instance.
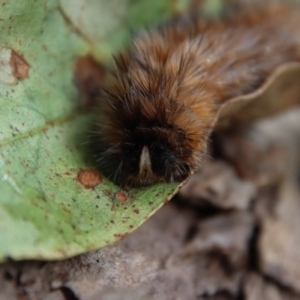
(45, 211)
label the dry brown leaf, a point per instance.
(279, 92)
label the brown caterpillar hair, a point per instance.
(160, 101)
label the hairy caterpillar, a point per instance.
(160, 101)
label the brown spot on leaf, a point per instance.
(88, 76)
(12, 66)
(121, 236)
(89, 178)
(121, 196)
(166, 201)
(136, 211)
(19, 65)
(107, 193)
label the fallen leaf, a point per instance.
(280, 91)
(51, 207)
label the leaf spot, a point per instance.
(121, 236)
(19, 65)
(122, 196)
(12, 66)
(89, 178)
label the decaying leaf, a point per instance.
(216, 184)
(280, 236)
(280, 91)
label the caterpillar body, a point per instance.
(160, 101)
